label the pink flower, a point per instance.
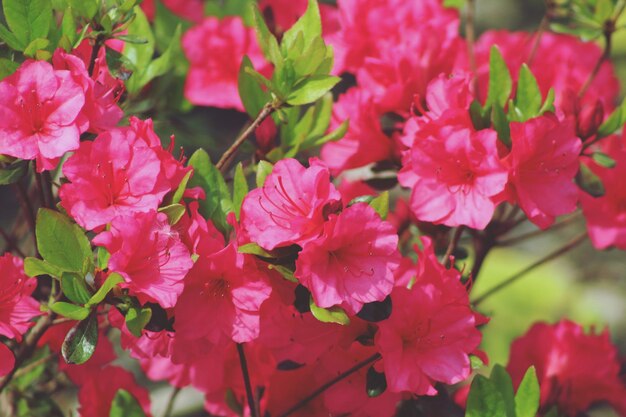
(365, 142)
(543, 162)
(606, 215)
(17, 307)
(7, 360)
(430, 333)
(215, 49)
(575, 370)
(150, 256)
(222, 298)
(39, 109)
(96, 394)
(100, 111)
(120, 173)
(292, 205)
(454, 172)
(352, 263)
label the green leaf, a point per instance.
(263, 169)
(312, 89)
(71, 311)
(28, 19)
(334, 314)
(381, 204)
(112, 280)
(13, 172)
(174, 213)
(603, 160)
(35, 46)
(528, 98)
(7, 67)
(34, 267)
(252, 95)
(500, 82)
(375, 382)
(103, 256)
(335, 135)
(68, 26)
(163, 63)
(589, 182)
(484, 399)
(61, 242)
(125, 405)
(528, 394)
(476, 362)
(457, 4)
(502, 381)
(481, 118)
(254, 249)
(75, 288)
(180, 191)
(80, 342)
(501, 124)
(10, 39)
(137, 318)
(548, 104)
(217, 202)
(614, 122)
(284, 271)
(85, 8)
(267, 41)
(309, 25)
(139, 54)
(240, 189)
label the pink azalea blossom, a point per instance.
(352, 263)
(606, 215)
(215, 49)
(543, 162)
(575, 370)
(454, 172)
(222, 298)
(292, 205)
(150, 256)
(17, 307)
(100, 111)
(192, 10)
(123, 171)
(430, 333)
(365, 142)
(96, 394)
(39, 109)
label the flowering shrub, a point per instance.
(325, 264)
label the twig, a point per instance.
(33, 365)
(608, 34)
(454, 242)
(246, 379)
(170, 402)
(27, 207)
(543, 26)
(530, 235)
(330, 383)
(572, 244)
(263, 114)
(94, 54)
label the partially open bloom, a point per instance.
(575, 370)
(430, 333)
(543, 162)
(215, 49)
(606, 215)
(17, 307)
(455, 173)
(222, 298)
(150, 256)
(291, 206)
(352, 263)
(39, 109)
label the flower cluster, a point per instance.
(305, 295)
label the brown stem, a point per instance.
(94, 54)
(33, 365)
(482, 245)
(454, 242)
(571, 245)
(170, 402)
(543, 27)
(530, 235)
(608, 34)
(27, 208)
(222, 164)
(330, 383)
(254, 412)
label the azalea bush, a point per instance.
(286, 205)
